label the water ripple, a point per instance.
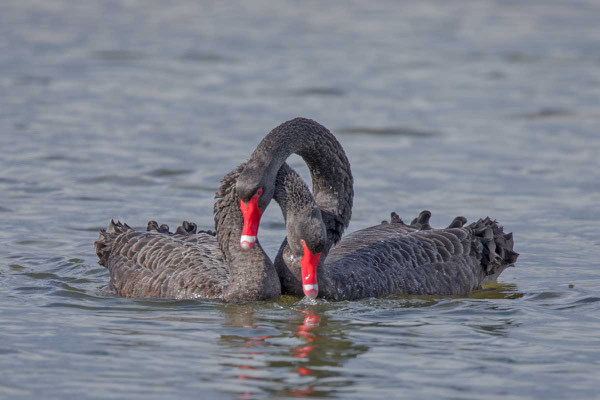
(319, 91)
(165, 172)
(119, 180)
(118, 55)
(443, 106)
(391, 131)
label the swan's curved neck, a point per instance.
(292, 194)
(252, 274)
(329, 168)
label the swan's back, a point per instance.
(401, 260)
(153, 264)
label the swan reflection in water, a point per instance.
(305, 332)
(292, 352)
(293, 349)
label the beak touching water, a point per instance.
(252, 214)
(309, 263)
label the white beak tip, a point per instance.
(311, 291)
(247, 242)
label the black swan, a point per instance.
(387, 259)
(208, 265)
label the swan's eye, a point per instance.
(259, 192)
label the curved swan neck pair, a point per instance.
(313, 224)
(333, 185)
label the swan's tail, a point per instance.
(106, 239)
(495, 246)
(491, 245)
(186, 228)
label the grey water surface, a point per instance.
(136, 109)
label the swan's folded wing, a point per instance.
(394, 259)
(150, 264)
(470, 256)
(388, 259)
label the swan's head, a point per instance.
(307, 238)
(308, 264)
(251, 212)
(255, 195)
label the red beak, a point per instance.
(252, 215)
(309, 263)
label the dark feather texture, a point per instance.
(188, 265)
(200, 264)
(395, 259)
(388, 259)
